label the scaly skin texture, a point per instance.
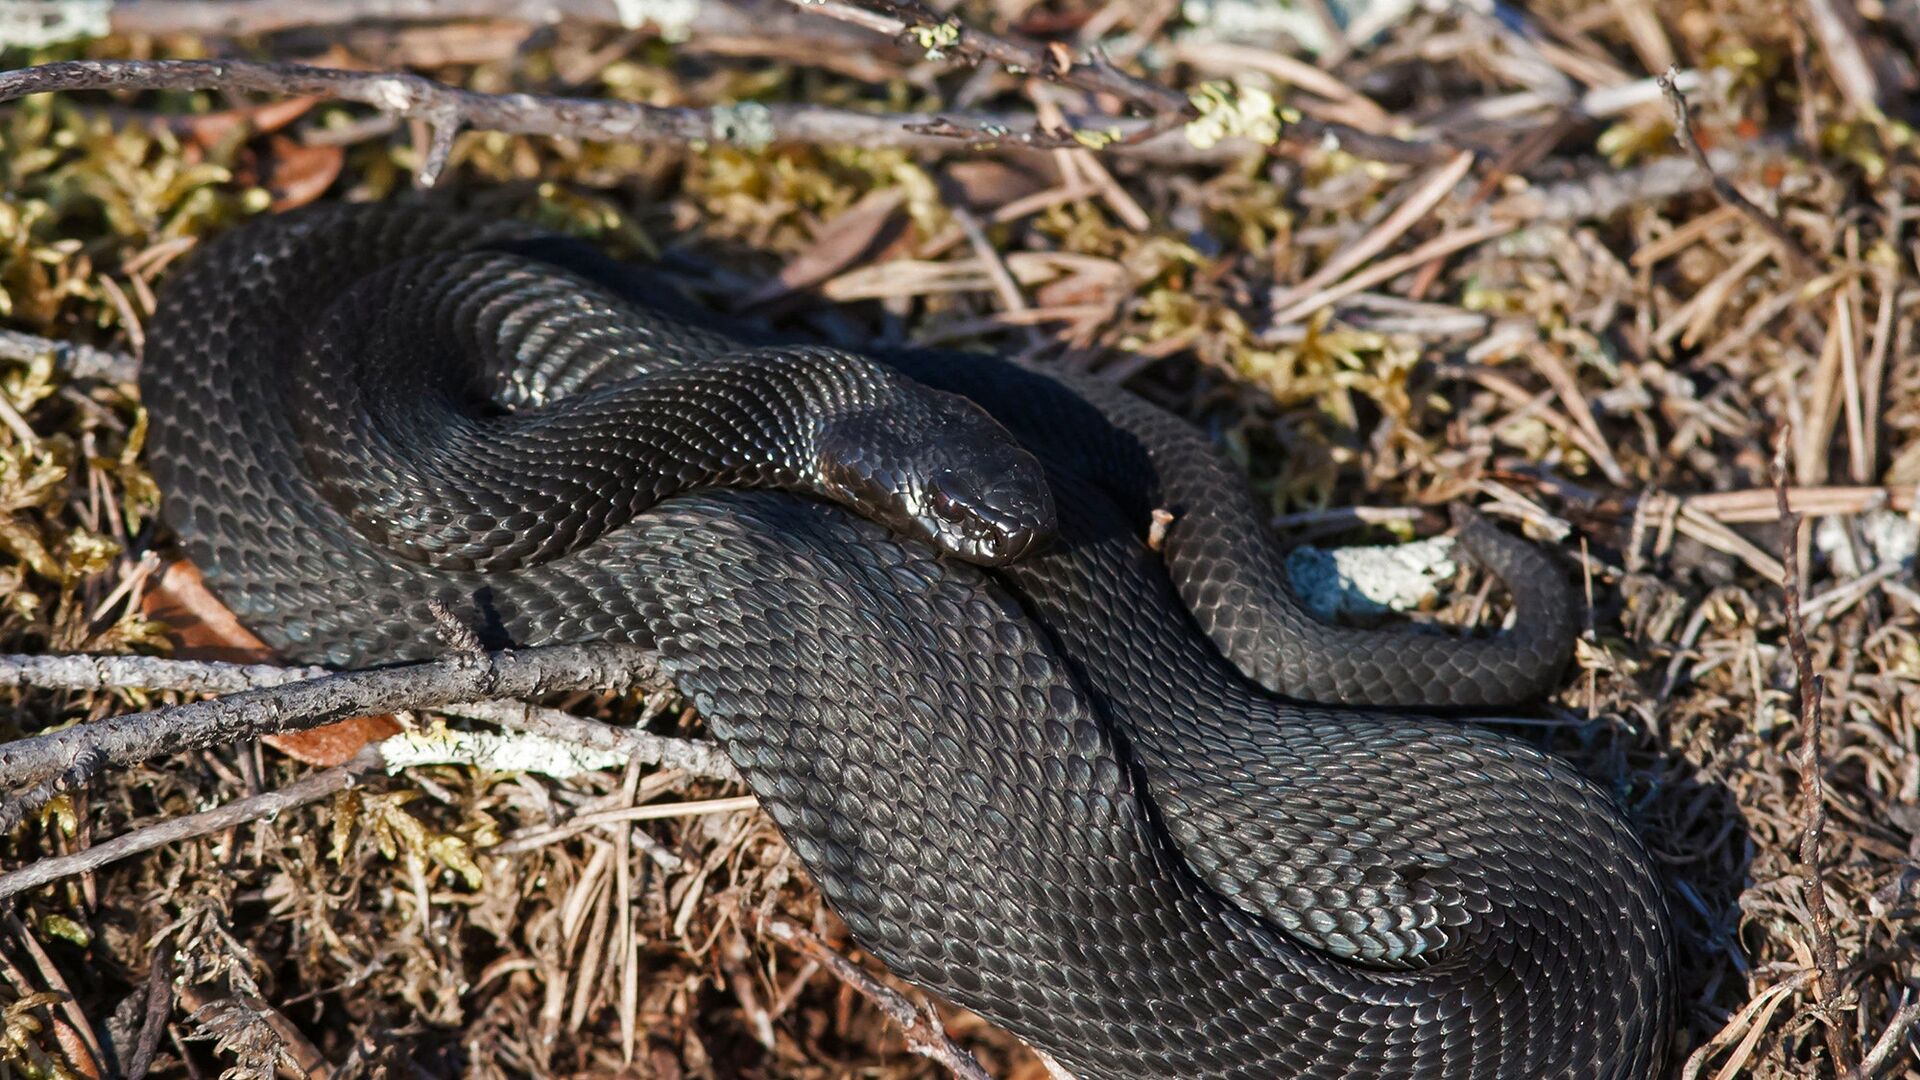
(1040, 789)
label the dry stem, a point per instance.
(93, 672)
(920, 1025)
(1092, 72)
(1812, 773)
(1889, 1041)
(448, 109)
(1728, 194)
(49, 763)
(307, 789)
(78, 361)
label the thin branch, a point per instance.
(939, 35)
(248, 18)
(1812, 767)
(1845, 41)
(749, 125)
(920, 1025)
(77, 361)
(1888, 1042)
(86, 671)
(307, 789)
(122, 672)
(1803, 263)
(157, 1008)
(51, 762)
(865, 27)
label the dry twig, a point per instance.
(1812, 766)
(1837, 26)
(307, 789)
(1683, 134)
(948, 35)
(1092, 72)
(1889, 1041)
(920, 1025)
(121, 672)
(447, 110)
(78, 361)
(248, 18)
(46, 764)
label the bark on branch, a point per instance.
(44, 765)
(1167, 108)
(119, 672)
(307, 789)
(448, 109)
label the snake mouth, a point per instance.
(987, 546)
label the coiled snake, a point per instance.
(1065, 791)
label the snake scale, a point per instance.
(1062, 779)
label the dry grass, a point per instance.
(1575, 346)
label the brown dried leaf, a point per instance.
(984, 184)
(212, 129)
(297, 174)
(202, 628)
(862, 230)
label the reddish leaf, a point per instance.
(985, 183)
(297, 174)
(202, 628)
(257, 119)
(861, 231)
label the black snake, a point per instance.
(1066, 791)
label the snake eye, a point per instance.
(948, 495)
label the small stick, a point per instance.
(84, 671)
(1683, 134)
(158, 1007)
(447, 108)
(454, 632)
(1423, 195)
(47, 763)
(1812, 765)
(1166, 107)
(1889, 1041)
(77, 361)
(95, 672)
(254, 18)
(920, 1025)
(1058, 63)
(307, 789)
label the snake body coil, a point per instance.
(1059, 791)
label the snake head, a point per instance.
(935, 466)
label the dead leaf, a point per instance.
(78, 1052)
(202, 628)
(297, 174)
(214, 128)
(984, 184)
(439, 45)
(861, 231)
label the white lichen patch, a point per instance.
(1254, 22)
(748, 125)
(511, 752)
(35, 24)
(673, 19)
(1370, 580)
(1890, 538)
